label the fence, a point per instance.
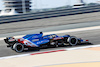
(48, 14)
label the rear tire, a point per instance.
(56, 44)
(18, 47)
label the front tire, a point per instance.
(18, 47)
(72, 41)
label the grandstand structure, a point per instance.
(20, 6)
(79, 3)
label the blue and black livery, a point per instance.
(40, 41)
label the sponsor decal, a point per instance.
(11, 39)
(35, 40)
(42, 41)
(29, 43)
(58, 38)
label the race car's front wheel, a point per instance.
(72, 41)
(18, 47)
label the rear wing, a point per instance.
(10, 40)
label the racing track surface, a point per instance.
(92, 35)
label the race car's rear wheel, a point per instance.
(72, 41)
(56, 44)
(18, 47)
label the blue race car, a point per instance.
(39, 41)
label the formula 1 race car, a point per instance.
(40, 41)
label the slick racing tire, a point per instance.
(18, 47)
(56, 44)
(72, 41)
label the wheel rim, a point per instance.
(19, 47)
(73, 40)
(56, 43)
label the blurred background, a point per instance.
(44, 5)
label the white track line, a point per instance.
(63, 31)
(37, 53)
(74, 30)
(15, 56)
(90, 46)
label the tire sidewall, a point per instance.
(69, 40)
(56, 44)
(16, 45)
